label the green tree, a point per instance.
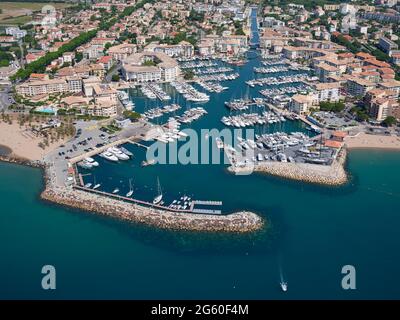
(389, 121)
(132, 115)
(149, 63)
(115, 77)
(188, 74)
(332, 106)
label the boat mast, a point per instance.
(159, 187)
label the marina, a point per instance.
(160, 111)
(153, 91)
(189, 92)
(259, 218)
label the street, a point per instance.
(5, 97)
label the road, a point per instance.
(4, 97)
(114, 70)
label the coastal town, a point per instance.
(87, 86)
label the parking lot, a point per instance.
(88, 137)
(5, 97)
(331, 121)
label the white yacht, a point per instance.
(109, 156)
(283, 286)
(158, 198)
(85, 165)
(118, 153)
(96, 186)
(219, 142)
(126, 151)
(116, 190)
(130, 192)
(93, 162)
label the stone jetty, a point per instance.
(239, 222)
(243, 221)
(332, 175)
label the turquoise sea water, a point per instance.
(313, 232)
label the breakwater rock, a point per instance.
(333, 175)
(243, 221)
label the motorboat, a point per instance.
(118, 153)
(126, 151)
(109, 156)
(93, 162)
(283, 285)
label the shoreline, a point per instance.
(23, 144)
(332, 175)
(237, 222)
(372, 141)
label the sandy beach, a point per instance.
(364, 140)
(23, 144)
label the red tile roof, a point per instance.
(339, 134)
(333, 144)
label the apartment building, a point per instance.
(50, 86)
(381, 108)
(387, 45)
(301, 103)
(359, 87)
(165, 68)
(122, 51)
(183, 49)
(329, 91)
(324, 71)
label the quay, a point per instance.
(141, 202)
(329, 175)
(280, 111)
(95, 202)
(192, 208)
(97, 150)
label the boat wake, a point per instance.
(282, 282)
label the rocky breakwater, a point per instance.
(333, 174)
(22, 161)
(240, 222)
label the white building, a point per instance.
(329, 91)
(359, 87)
(183, 49)
(16, 32)
(161, 67)
(122, 51)
(49, 86)
(301, 103)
